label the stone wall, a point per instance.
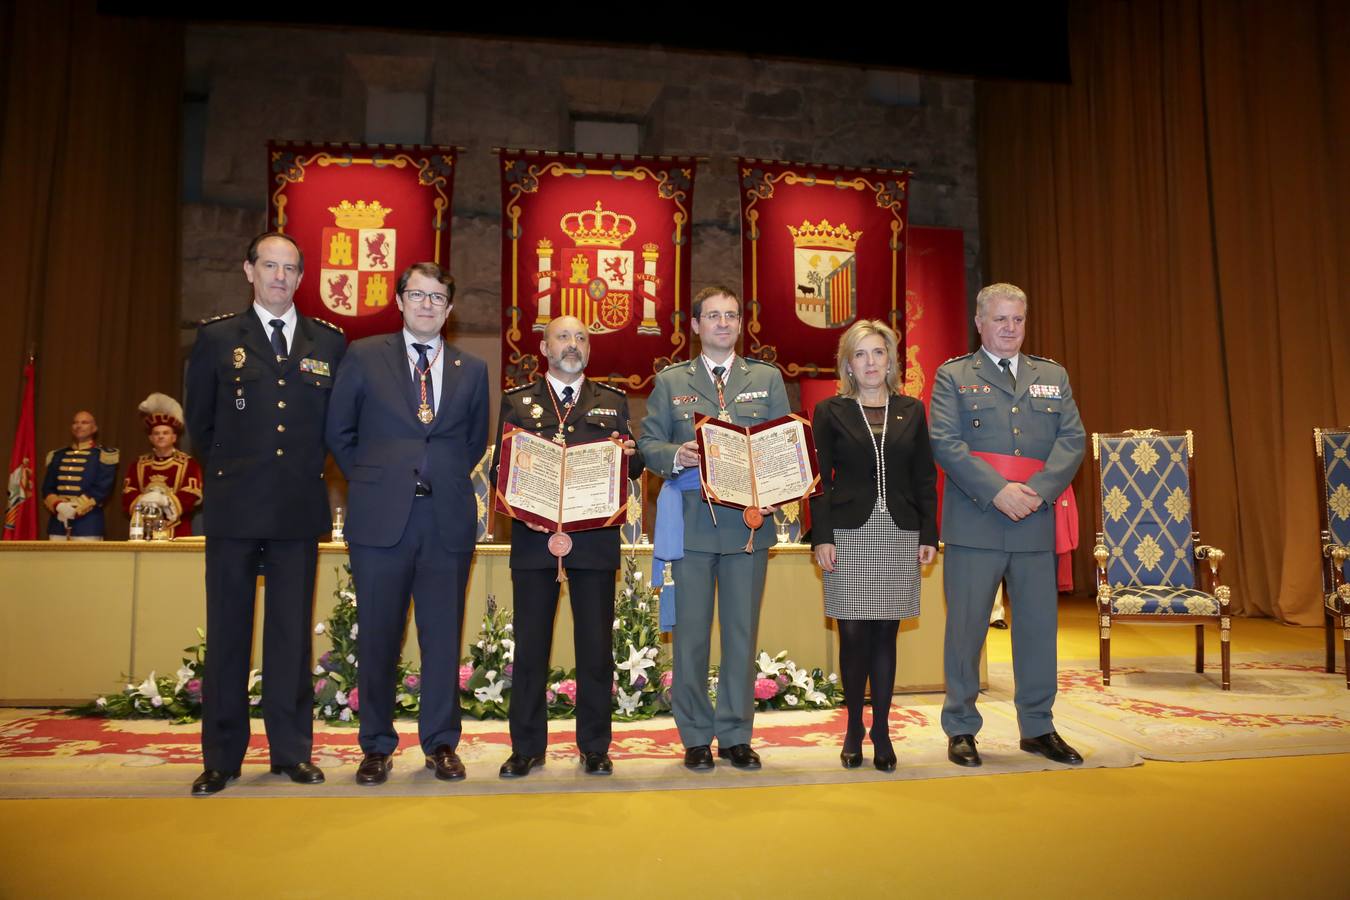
(246, 85)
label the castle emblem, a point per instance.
(358, 259)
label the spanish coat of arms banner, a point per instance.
(604, 239)
(821, 248)
(361, 214)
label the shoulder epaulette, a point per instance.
(327, 324)
(220, 318)
(962, 356)
(610, 387)
(50, 454)
(522, 387)
(675, 365)
(751, 359)
(1043, 359)
(109, 456)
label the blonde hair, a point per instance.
(999, 291)
(848, 344)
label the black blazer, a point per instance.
(600, 410)
(257, 426)
(848, 469)
(378, 442)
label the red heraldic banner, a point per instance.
(21, 510)
(821, 247)
(361, 214)
(604, 239)
(936, 323)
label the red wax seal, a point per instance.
(560, 544)
(753, 518)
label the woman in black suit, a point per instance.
(870, 540)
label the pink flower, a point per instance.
(765, 688)
(550, 696)
(465, 673)
(411, 682)
(194, 688)
(667, 678)
(354, 700)
(568, 689)
(320, 685)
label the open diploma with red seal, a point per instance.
(764, 465)
(572, 488)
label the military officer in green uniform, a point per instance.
(709, 558)
(1005, 430)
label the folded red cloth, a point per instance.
(1020, 468)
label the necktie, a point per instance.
(567, 395)
(424, 371)
(278, 339)
(718, 372)
(1006, 366)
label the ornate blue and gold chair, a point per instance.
(1147, 548)
(1333, 479)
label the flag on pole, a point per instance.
(21, 510)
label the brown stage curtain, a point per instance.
(89, 179)
(1178, 217)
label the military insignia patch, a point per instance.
(751, 395)
(1045, 391)
(597, 411)
(684, 399)
(315, 366)
(239, 357)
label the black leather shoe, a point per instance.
(212, 781)
(850, 759)
(518, 765)
(741, 756)
(1053, 748)
(1000, 624)
(374, 768)
(597, 763)
(699, 759)
(446, 763)
(301, 773)
(961, 750)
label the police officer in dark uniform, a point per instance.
(80, 478)
(569, 408)
(258, 384)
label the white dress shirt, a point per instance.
(288, 320)
(1013, 360)
(436, 359)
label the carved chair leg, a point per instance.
(1200, 648)
(1329, 623)
(1105, 647)
(1223, 644)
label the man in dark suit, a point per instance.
(1006, 431)
(258, 383)
(570, 408)
(407, 425)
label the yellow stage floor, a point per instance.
(1239, 828)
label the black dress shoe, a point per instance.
(1053, 748)
(699, 759)
(1000, 624)
(374, 768)
(741, 756)
(446, 763)
(961, 750)
(301, 773)
(597, 763)
(518, 765)
(850, 759)
(212, 781)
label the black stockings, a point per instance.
(867, 651)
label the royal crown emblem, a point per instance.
(595, 279)
(358, 259)
(825, 270)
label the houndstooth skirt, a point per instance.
(876, 571)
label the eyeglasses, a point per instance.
(434, 299)
(727, 317)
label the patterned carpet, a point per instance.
(1280, 705)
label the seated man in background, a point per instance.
(166, 478)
